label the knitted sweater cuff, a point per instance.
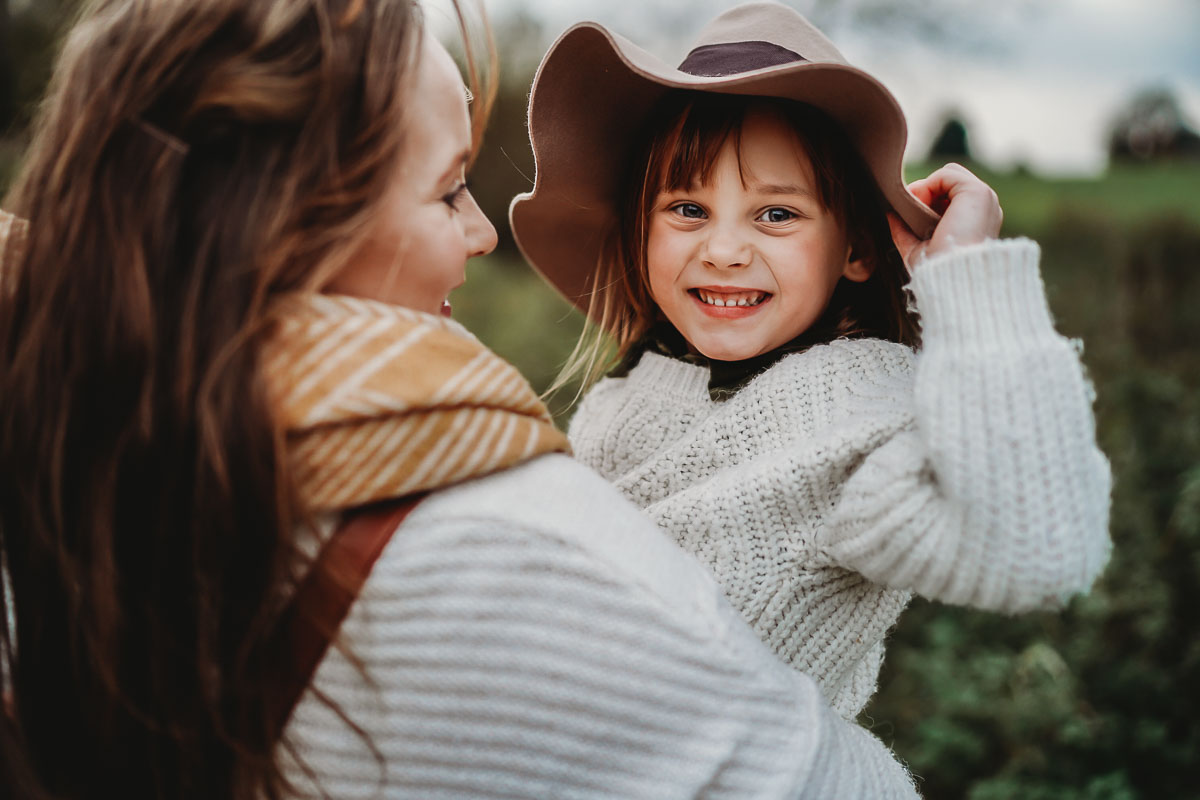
(984, 293)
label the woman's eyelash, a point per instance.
(453, 197)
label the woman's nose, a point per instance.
(725, 247)
(480, 232)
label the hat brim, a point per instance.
(590, 97)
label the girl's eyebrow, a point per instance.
(780, 188)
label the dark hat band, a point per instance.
(732, 58)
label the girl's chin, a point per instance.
(727, 353)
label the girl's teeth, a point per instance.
(744, 299)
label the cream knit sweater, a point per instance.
(846, 477)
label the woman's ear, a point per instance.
(857, 268)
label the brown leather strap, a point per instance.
(324, 597)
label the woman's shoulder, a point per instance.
(553, 519)
(535, 617)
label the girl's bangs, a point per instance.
(692, 130)
(688, 150)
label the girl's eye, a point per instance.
(777, 215)
(688, 210)
(455, 195)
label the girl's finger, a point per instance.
(948, 181)
(906, 241)
(923, 189)
(939, 188)
(969, 207)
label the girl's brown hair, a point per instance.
(193, 159)
(680, 146)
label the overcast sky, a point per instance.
(1037, 81)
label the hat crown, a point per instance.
(773, 23)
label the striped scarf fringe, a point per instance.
(380, 401)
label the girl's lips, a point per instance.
(445, 308)
(729, 311)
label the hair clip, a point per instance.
(164, 138)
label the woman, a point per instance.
(223, 330)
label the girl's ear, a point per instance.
(857, 268)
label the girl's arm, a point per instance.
(999, 498)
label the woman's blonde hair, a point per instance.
(192, 159)
(680, 145)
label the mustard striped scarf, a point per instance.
(380, 401)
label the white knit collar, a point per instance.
(673, 376)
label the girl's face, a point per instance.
(428, 224)
(748, 261)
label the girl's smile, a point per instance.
(748, 260)
(729, 302)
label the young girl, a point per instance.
(775, 408)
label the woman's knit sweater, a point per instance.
(531, 634)
(848, 476)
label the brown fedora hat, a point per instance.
(594, 89)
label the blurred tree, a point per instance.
(952, 142)
(1152, 127)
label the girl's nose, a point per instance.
(725, 247)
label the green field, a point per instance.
(1126, 196)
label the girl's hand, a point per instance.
(970, 214)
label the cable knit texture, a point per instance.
(848, 476)
(531, 634)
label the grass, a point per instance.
(1127, 196)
